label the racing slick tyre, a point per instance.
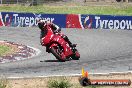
(57, 54)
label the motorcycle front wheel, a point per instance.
(57, 53)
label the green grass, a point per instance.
(3, 82)
(60, 83)
(4, 50)
(2, 85)
(103, 10)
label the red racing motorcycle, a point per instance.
(56, 45)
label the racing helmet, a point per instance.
(41, 23)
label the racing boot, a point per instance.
(72, 45)
(69, 42)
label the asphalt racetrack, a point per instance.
(101, 51)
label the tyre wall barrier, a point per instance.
(83, 21)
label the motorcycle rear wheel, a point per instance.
(54, 50)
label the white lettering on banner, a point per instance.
(28, 21)
(15, 15)
(31, 21)
(6, 16)
(110, 25)
(101, 23)
(19, 22)
(116, 24)
(97, 21)
(36, 21)
(113, 24)
(22, 20)
(48, 19)
(129, 24)
(106, 22)
(122, 24)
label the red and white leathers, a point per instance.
(55, 28)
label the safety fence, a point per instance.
(81, 21)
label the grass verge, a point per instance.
(43, 82)
(117, 9)
(4, 50)
(3, 83)
(61, 83)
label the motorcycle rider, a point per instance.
(55, 28)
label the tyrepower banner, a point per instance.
(29, 19)
(98, 21)
(67, 20)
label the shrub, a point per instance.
(63, 83)
(3, 83)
